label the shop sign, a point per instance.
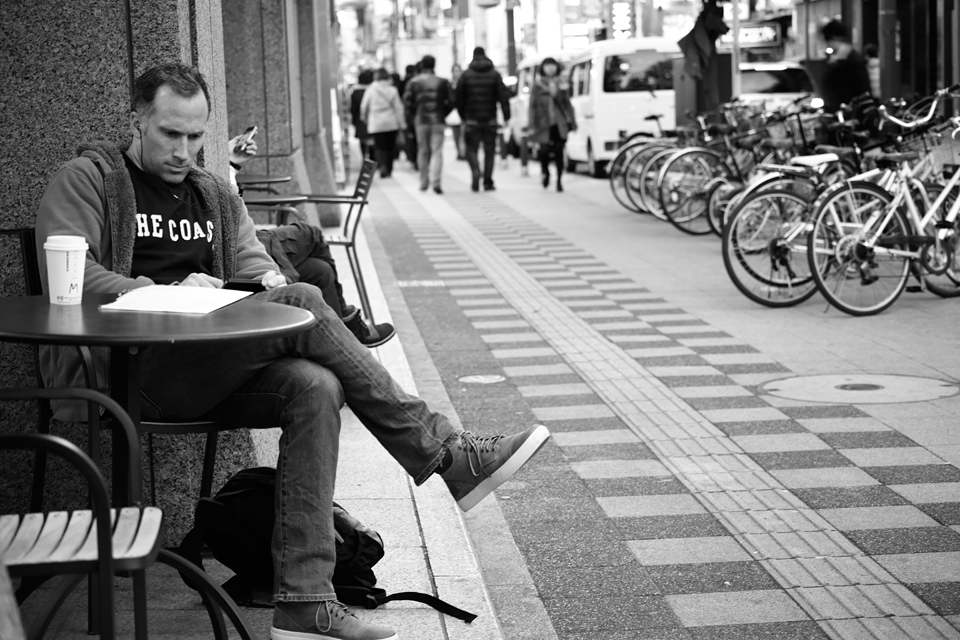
(754, 35)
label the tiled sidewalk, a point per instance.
(679, 496)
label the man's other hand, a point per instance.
(239, 156)
(272, 280)
(201, 280)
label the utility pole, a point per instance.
(890, 79)
(511, 40)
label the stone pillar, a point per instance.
(65, 68)
(274, 50)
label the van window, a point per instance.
(638, 71)
(580, 79)
(775, 80)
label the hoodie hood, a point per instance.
(481, 65)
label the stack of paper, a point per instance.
(171, 299)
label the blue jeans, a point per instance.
(298, 383)
(430, 153)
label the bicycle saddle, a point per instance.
(887, 160)
(651, 118)
(843, 152)
(720, 129)
(814, 160)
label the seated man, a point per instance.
(304, 256)
(151, 216)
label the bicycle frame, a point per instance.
(903, 197)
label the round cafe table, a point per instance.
(33, 320)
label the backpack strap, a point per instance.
(373, 597)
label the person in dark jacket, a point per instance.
(359, 126)
(428, 100)
(479, 91)
(846, 76)
(551, 118)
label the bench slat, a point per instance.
(147, 535)
(74, 537)
(8, 527)
(53, 528)
(89, 549)
(125, 530)
(26, 536)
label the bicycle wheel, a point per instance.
(720, 197)
(943, 263)
(633, 175)
(764, 244)
(649, 181)
(855, 278)
(682, 188)
(617, 170)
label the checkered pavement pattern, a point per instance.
(675, 499)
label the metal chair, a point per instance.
(348, 239)
(32, 281)
(100, 541)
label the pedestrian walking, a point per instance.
(428, 100)
(551, 118)
(409, 139)
(479, 91)
(845, 76)
(359, 126)
(453, 119)
(382, 112)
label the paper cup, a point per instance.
(66, 256)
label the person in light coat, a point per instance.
(382, 111)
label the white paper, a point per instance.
(170, 299)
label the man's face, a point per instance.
(170, 137)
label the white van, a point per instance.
(527, 72)
(614, 86)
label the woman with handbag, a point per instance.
(382, 111)
(551, 118)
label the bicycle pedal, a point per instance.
(914, 288)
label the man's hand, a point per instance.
(272, 280)
(201, 280)
(247, 152)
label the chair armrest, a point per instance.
(333, 199)
(123, 423)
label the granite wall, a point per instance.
(65, 69)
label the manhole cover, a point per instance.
(861, 388)
(482, 379)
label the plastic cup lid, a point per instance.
(66, 243)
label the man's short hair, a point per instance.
(428, 62)
(411, 68)
(835, 30)
(366, 76)
(478, 52)
(382, 74)
(183, 80)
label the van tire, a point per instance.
(570, 164)
(594, 168)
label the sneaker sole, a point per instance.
(283, 634)
(519, 458)
(374, 345)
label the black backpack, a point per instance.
(236, 525)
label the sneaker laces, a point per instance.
(477, 446)
(335, 609)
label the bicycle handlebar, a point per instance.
(919, 122)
